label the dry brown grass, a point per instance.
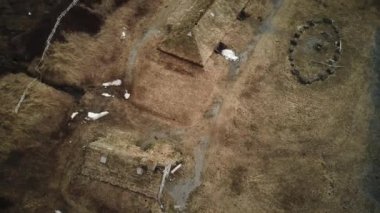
(276, 146)
(42, 113)
(288, 147)
(85, 61)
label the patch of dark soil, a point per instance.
(9, 65)
(220, 47)
(26, 46)
(242, 15)
(293, 196)
(141, 10)
(5, 203)
(36, 167)
(29, 172)
(90, 3)
(80, 19)
(30, 44)
(76, 92)
(14, 158)
(104, 208)
(237, 175)
(376, 4)
(26, 35)
(17, 17)
(119, 3)
(368, 4)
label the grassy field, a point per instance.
(275, 145)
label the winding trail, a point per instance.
(181, 191)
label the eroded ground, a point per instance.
(249, 134)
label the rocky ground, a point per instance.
(252, 136)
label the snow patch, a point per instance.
(107, 95)
(123, 33)
(230, 55)
(176, 168)
(116, 82)
(73, 115)
(103, 159)
(127, 95)
(140, 171)
(92, 116)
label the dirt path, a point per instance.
(229, 93)
(276, 143)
